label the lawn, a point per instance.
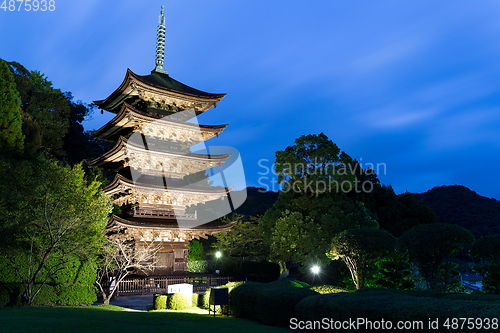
(114, 319)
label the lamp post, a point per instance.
(218, 254)
(315, 270)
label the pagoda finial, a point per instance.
(160, 43)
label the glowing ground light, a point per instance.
(218, 254)
(315, 269)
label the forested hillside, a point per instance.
(458, 204)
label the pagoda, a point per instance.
(157, 175)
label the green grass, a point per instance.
(114, 319)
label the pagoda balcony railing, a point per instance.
(162, 212)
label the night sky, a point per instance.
(412, 85)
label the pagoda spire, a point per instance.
(160, 43)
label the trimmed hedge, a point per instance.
(326, 289)
(291, 283)
(73, 285)
(178, 301)
(160, 301)
(205, 300)
(175, 301)
(393, 307)
(270, 304)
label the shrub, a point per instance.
(160, 301)
(178, 301)
(205, 300)
(73, 285)
(195, 299)
(326, 289)
(271, 304)
(291, 283)
(201, 266)
(390, 306)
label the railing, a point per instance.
(158, 212)
(153, 285)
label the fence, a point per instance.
(153, 285)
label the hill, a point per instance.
(459, 205)
(258, 201)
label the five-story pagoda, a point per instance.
(158, 176)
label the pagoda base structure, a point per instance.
(171, 258)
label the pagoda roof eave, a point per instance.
(115, 124)
(158, 224)
(117, 154)
(154, 81)
(120, 181)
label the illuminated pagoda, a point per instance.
(158, 176)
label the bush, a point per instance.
(205, 300)
(73, 285)
(391, 306)
(326, 289)
(196, 298)
(201, 266)
(270, 304)
(160, 302)
(178, 301)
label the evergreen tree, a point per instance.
(11, 137)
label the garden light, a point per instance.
(315, 269)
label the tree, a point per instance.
(244, 240)
(487, 248)
(51, 215)
(360, 249)
(433, 247)
(11, 136)
(119, 257)
(314, 204)
(314, 165)
(52, 121)
(393, 272)
(195, 250)
(397, 213)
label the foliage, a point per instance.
(360, 249)
(311, 164)
(243, 240)
(195, 251)
(120, 256)
(267, 303)
(70, 286)
(397, 213)
(430, 246)
(301, 228)
(327, 289)
(11, 137)
(262, 271)
(487, 248)
(393, 272)
(52, 120)
(160, 302)
(392, 307)
(50, 214)
(201, 266)
(178, 301)
(204, 302)
(291, 283)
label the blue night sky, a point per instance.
(410, 84)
